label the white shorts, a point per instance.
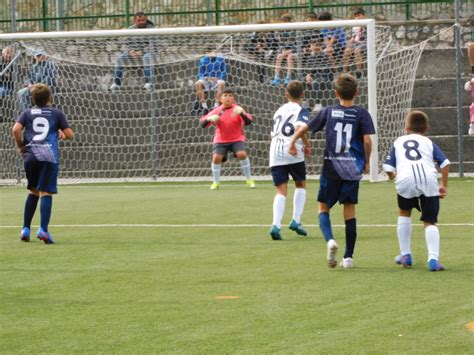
(211, 83)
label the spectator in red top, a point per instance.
(228, 119)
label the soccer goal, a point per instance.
(128, 130)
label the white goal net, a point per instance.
(134, 97)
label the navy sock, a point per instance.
(30, 208)
(45, 209)
(351, 236)
(325, 225)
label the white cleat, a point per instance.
(332, 250)
(347, 263)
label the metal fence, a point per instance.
(68, 15)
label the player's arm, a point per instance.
(390, 164)
(300, 132)
(368, 150)
(443, 163)
(443, 188)
(247, 118)
(16, 133)
(210, 118)
(306, 145)
(67, 133)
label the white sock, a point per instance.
(404, 229)
(432, 241)
(299, 199)
(216, 172)
(278, 209)
(245, 164)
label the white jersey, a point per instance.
(285, 122)
(413, 158)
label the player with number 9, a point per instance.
(346, 156)
(36, 133)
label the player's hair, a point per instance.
(417, 122)
(346, 86)
(228, 91)
(325, 16)
(40, 94)
(359, 11)
(295, 89)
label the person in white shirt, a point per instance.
(411, 163)
(283, 164)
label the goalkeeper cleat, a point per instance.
(214, 186)
(404, 260)
(45, 236)
(331, 255)
(251, 183)
(434, 265)
(275, 233)
(297, 227)
(347, 263)
(25, 234)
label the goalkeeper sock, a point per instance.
(216, 172)
(325, 226)
(432, 241)
(46, 206)
(404, 229)
(351, 236)
(299, 199)
(245, 164)
(30, 208)
(278, 209)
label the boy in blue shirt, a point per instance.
(346, 157)
(37, 132)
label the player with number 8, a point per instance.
(346, 156)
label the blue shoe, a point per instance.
(45, 236)
(404, 260)
(297, 227)
(434, 265)
(275, 233)
(276, 82)
(25, 235)
(287, 80)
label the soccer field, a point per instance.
(176, 268)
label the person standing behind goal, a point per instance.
(42, 127)
(228, 120)
(346, 157)
(411, 163)
(285, 121)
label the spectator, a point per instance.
(261, 47)
(212, 76)
(469, 86)
(334, 40)
(470, 51)
(286, 51)
(357, 44)
(6, 72)
(43, 71)
(136, 50)
(318, 76)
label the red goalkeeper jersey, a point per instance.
(229, 127)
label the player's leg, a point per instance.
(327, 197)
(404, 229)
(239, 150)
(47, 186)
(119, 65)
(279, 58)
(298, 174)
(280, 180)
(429, 216)
(219, 152)
(32, 176)
(349, 196)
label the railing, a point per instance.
(67, 15)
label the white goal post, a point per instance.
(153, 134)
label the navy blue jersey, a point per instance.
(344, 154)
(40, 135)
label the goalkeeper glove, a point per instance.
(213, 118)
(238, 110)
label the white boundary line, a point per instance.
(224, 225)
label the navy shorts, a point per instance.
(224, 148)
(281, 173)
(429, 206)
(42, 176)
(332, 191)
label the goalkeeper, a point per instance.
(228, 119)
